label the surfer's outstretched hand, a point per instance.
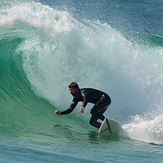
(57, 112)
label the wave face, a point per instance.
(43, 50)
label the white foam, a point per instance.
(36, 15)
(147, 127)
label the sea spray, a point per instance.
(146, 127)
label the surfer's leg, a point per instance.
(96, 113)
(102, 111)
(100, 107)
(93, 122)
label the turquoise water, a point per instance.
(46, 45)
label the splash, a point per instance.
(146, 127)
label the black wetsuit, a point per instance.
(99, 98)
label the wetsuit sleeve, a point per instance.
(71, 108)
(85, 100)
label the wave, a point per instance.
(44, 49)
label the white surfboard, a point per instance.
(109, 127)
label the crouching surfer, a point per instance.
(88, 95)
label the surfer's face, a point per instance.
(73, 91)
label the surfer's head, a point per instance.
(145, 30)
(74, 89)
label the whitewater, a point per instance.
(43, 48)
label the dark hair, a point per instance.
(74, 85)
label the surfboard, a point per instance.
(110, 127)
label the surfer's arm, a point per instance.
(63, 112)
(85, 100)
(71, 108)
(66, 111)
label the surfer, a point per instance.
(145, 30)
(88, 95)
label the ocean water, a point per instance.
(45, 45)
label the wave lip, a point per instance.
(35, 15)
